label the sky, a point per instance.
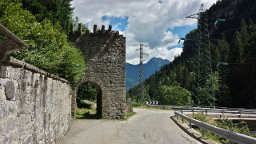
(158, 24)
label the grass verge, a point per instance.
(129, 114)
(239, 127)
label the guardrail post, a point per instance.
(190, 125)
(193, 111)
(203, 132)
(206, 112)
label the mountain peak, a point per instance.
(158, 60)
(132, 71)
(153, 60)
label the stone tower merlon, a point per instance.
(80, 29)
(110, 28)
(109, 32)
(94, 28)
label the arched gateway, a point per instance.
(105, 55)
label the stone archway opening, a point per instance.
(89, 101)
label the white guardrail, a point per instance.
(228, 134)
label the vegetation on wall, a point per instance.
(48, 45)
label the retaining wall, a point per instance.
(35, 106)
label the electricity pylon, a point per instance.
(205, 47)
(141, 72)
(204, 64)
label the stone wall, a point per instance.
(105, 56)
(35, 107)
(129, 107)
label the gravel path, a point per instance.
(146, 127)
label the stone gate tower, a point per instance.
(105, 55)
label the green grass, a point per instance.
(240, 127)
(212, 136)
(129, 114)
(85, 113)
(136, 104)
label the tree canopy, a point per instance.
(48, 45)
(57, 11)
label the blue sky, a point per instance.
(121, 24)
(183, 30)
(157, 23)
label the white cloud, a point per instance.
(148, 22)
(160, 52)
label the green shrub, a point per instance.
(136, 104)
(239, 127)
(174, 95)
(48, 45)
(201, 117)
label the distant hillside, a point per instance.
(132, 71)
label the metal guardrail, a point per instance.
(222, 110)
(228, 134)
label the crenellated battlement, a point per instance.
(75, 34)
(99, 42)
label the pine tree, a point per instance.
(237, 49)
(57, 11)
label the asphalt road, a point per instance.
(146, 127)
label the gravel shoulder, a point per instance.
(146, 127)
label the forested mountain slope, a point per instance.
(220, 70)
